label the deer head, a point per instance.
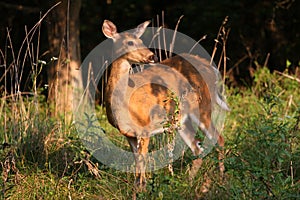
(129, 45)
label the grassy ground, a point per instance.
(41, 158)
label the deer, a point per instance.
(137, 104)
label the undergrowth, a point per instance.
(263, 149)
(41, 158)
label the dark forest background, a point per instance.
(257, 27)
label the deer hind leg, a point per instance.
(207, 181)
(221, 155)
(188, 135)
(140, 150)
(220, 148)
(208, 128)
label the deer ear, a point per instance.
(140, 29)
(109, 29)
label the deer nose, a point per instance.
(152, 58)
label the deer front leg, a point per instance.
(140, 150)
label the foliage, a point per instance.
(263, 149)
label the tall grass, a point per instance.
(32, 142)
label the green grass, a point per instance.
(48, 161)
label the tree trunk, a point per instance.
(64, 76)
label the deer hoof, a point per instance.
(140, 184)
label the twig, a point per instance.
(158, 41)
(267, 60)
(287, 76)
(203, 38)
(236, 65)
(226, 33)
(288, 104)
(174, 36)
(164, 33)
(33, 29)
(292, 172)
(155, 36)
(217, 39)
(4, 64)
(69, 188)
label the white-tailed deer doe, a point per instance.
(139, 104)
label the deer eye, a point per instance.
(199, 144)
(130, 43)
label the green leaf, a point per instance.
(288, 63)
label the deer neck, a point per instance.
(119, 72)
(116, 87)
(120, 68)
